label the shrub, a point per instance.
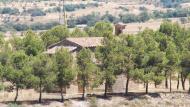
(93, 102)
(7, 27)
(123, 8)
(37, 26)
(7, 10)
(128, 18)
(13, 105)
(142, 8)
(109, 18)
(72, 7)
(171, 3)
(20, 27)
(183, 20)
(90, 19)
(71, 23)
(144, 16)
(36, 12)
(43, 26)
(2, 87)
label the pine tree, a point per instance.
(87, 68)
(64, 69)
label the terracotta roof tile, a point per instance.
(56, 48)
(87, 41)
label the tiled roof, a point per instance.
(87, 41)
(56, 48)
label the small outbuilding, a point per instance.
(76, 44)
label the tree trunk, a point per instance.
(16, 94)
(166, 81)
(106, 88)
(170, 82)
(178, 82)
(183, 84)
(155, 85)
(83, 90)
(146, 87)
(62, 98)
(3, 84)
(40, 97)
(189, 85)
(127, 85)
(183, 81)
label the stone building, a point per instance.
(74, 45)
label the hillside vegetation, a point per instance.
(150, 57)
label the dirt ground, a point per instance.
(111, 7)
(158, 97)
(175, 99)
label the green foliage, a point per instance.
(85, 65)
(102, 28)
(93, 102)
(129, 18)
(43, 26)
(18, 72)
(124, 61)
(43, 74)
(169, 28)
(43, 71)
(73, 7)
(86, 68)
(150, 60)
(147, 57)
(23, 27)
(55, 34)
(1, 87)
(109, 18)
(5, 53)
(90, 19)
(13, 105)
(8, 10)
(144, 16)
(108, 57)
(20, 27)
(78, 33)
(64, 68)
(36, 12)
(16, 43)
(171, 3)
(33, 45)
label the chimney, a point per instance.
(119, 27)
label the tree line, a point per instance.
(147, 57)
(91, 19)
